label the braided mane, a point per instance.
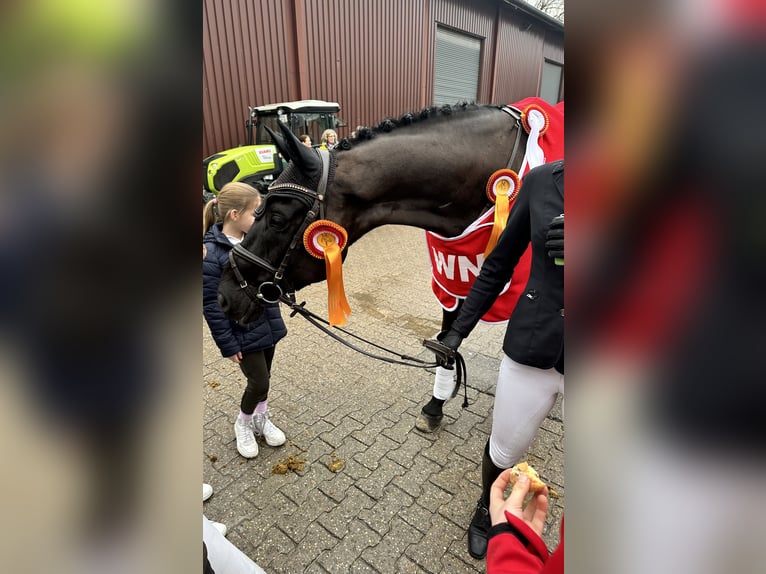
(389, 124)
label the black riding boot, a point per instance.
(480, 523)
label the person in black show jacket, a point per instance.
(532, 370)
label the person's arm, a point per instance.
(514, 542)
(220, 328)
(499, 266)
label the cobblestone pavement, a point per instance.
(404, 499)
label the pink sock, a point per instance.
(262, 407)
(245, 417)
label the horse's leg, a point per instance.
(432, 414)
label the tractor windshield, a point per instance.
(311, 123)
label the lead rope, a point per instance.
(404, 360)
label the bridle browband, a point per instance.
(270, 291)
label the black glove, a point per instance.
(444, 347)
(451, 339)
(554, 239)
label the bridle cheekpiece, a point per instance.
(270, 291)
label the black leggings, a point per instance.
(257, 368)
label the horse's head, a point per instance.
(271, 259)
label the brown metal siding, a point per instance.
(366, 55)
(553, 49)
(375, 58)
(519, 58)
(243, 64)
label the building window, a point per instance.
(456, 67)
(550, 85)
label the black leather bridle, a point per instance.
(270, 291)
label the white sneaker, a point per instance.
(263, 426)
(220, 527)
(246, 444)
(207, 491)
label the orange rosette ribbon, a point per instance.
(325, 240)
(502, 189)
(525, 118)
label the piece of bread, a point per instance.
(535, 484)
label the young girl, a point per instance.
(225, 221)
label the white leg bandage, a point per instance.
(444, 383)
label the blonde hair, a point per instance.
(328, 132)
(233, 195)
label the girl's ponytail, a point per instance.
(233, 195)
(209, 215)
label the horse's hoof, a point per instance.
(428, 423)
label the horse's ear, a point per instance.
(280, 143)
(302, 156)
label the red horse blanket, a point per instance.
(456, 261)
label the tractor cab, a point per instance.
(310, 117)
(258, 162)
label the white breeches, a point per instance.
(523, 398)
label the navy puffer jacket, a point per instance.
(230, 336)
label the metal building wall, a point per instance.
(519, 58)
(366, 55)
(244, 56)
(375, 58)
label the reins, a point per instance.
(404, 360)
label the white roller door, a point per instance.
(456, 67)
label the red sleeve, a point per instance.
(514, 548)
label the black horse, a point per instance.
(427, 170)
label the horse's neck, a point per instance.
(421, 178)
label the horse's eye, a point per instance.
(278, 221)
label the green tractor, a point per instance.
(258, 162)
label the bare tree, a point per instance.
(554, 8)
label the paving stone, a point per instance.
(401, 430)
(360, 566)
(407, 566)
(338, 519)
(337, 487)
(417, 517)
(417, 475)
(385, 555)
(412, 446)
(452, 474)
(377, 481)
(433, 546)
(460, 508)
(297, 524)
(337, 435)
(272, 545)
(462, 562)
(464, 424)
(372, 430)
(343, 555)
(403, 500)
(380, 516)
(315, 541)
(432, 497)
(371, 457)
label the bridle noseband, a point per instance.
(270, 291)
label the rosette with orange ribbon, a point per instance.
(502, 188)
(325, 240)
(541, 120)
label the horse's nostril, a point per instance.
(223, 302)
